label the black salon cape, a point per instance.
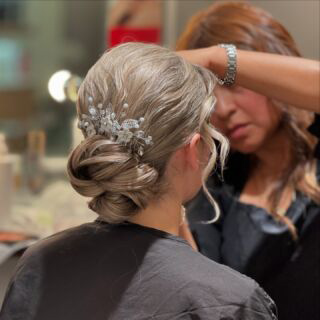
(248, 239)
(127, 272)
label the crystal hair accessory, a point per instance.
(103, 121)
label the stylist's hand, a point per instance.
(196, 56)
(213, 58)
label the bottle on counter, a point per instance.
(36, 142)
(6, 182)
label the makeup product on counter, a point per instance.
(6, 181)
(35, 152)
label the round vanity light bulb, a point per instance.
(57, 83)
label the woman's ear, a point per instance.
(192, 152)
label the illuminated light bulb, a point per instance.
(57, 85)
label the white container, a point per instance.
(6, 182)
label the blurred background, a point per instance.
(37, 115)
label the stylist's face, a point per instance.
(247, 118)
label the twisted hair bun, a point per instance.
(118, 183)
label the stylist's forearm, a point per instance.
(292, 80)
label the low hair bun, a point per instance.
(118, 183)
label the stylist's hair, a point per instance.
(174, 97)
(251, 28)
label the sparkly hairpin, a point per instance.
(103, 121)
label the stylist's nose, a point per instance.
(225, 106)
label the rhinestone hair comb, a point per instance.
(102, 121)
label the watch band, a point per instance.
(231, 72)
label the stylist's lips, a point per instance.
(237, 131)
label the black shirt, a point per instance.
(100, 271)
(249, 240)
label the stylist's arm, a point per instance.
(292, 80)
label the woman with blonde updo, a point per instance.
(148, 148)
(270, 197)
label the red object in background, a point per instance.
(119, 35)
(10, 237)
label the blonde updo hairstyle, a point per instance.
(176, 100)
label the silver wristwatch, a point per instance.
(231, 72)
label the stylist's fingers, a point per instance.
(213, 58)
(197, 56)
